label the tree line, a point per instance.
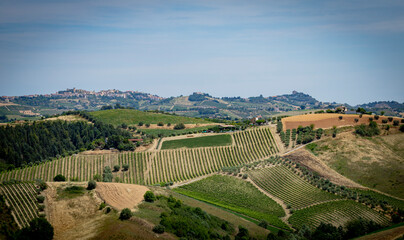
(43, 140)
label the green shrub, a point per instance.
(125, 167)
(41, 207)
(159, 229)
(140, 123)
(126, 213)
(384, 120)
(91, 185)
(149, 196)
(102, 206)
(263, 224)
(390, 119)
(368, 131)
(116, 168)
(395, 123)
(59, 178)
(108, 210)
(179, 126)
(377, 117)
(40, 198)
(107, 174)
(160, 124)
(402, 128)
(41, 184)
(147, 125)
(97, 177)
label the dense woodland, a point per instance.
(43, 140)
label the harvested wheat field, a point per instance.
(328, 120)
(120, 195)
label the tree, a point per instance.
(396, 122)
(160, 124)
(159, 229)
(126, 213)
(59, 178)
(41, 184)
(39, 228)
(382, 113)
(140, 124)
(149, 196)
(116, 168)
(40, 199)
(147, 125)
(91, 185)
(340, 117)
(242, 233)
(263, 224)
(356, 120)
(125, 167)
(107, 174)
(402, 128)
(390, 119)
(179, 126)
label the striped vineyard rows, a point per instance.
(289, 187)
(154, 167)
(336, 213)
(21, 197)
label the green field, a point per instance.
(209, 141)
(283, 183)
(336, 213)
(132, 117)
(237, 195)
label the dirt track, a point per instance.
(120, 195)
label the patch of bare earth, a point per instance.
(120, 195)
(312, 163)
(76, 218)
(327, 120)
(69, 118)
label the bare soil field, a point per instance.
(76, 218)
(68, 118)
(7, 104)
(328, 120)
(120, 195)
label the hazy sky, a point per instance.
(343, 51)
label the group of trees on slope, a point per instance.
(43, 140)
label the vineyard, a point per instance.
(163, 166)
(237, 195)
(336, 213)
(293, 190)
(21, 197)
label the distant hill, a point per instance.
(198, 104)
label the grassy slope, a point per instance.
(209, 141)
(169, 132)
(373, 162)
(236, 195)
(133, 117)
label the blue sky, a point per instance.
(344, 51)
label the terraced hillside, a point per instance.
(21, 197)
(336, 213)
(159, 166)
(280, 181)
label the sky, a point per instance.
(343, 51)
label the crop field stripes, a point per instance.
(336, 213)
(289, 187)
(157, 166)
(21, 198)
